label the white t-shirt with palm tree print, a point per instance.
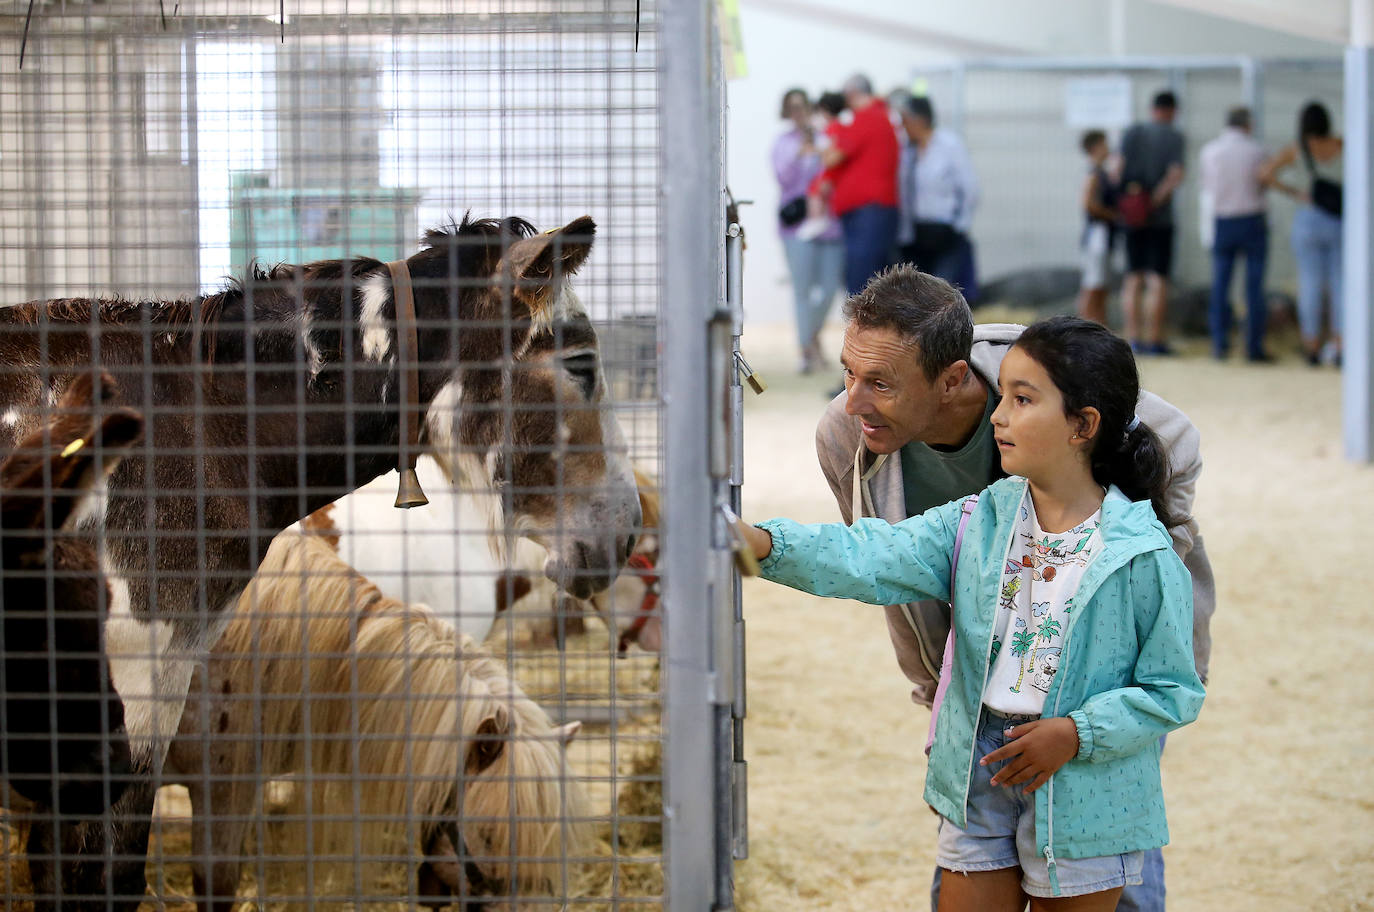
(1039, 579)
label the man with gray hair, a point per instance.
(861, 168)
(911, 431)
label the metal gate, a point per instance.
(257, 261)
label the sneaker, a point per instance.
(1262, 358)
(1160, 348)
(1313, 359)
(1140, 348)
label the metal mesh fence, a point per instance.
(1014, 117)
(210, 375)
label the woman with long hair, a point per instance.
(1316, 234)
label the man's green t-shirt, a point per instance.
(932, 477)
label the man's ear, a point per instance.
(952, 377)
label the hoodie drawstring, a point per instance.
(862, 500)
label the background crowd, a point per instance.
(868, 181)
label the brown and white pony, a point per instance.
(53, 597)
(454, 556)
(269, 400)
(409, 738)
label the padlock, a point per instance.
(756, 383)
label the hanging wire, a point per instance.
(25, 41)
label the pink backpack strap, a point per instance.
(947, 662)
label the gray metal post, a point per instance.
(1250, 93)
(1358, 218)
(691, 262)
(958, 90)
(1258, 72)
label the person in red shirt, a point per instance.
(861, 168)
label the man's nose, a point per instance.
(855, 402)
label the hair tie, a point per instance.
(1126, 435)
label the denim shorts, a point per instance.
(1000, 831)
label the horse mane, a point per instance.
(470, 248)
(398, 698)
(475, 230)
(485, 239)
(113, 311)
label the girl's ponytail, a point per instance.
(1092, 367)
(1140, 468)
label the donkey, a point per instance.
(407, 731)
(272, 398)
(53, 598)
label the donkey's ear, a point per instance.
(488, 741)
(68, 446)
(566, 732)
(535, 266)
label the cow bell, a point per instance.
(410, 493)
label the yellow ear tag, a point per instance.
(74, 446)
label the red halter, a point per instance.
(649, 573)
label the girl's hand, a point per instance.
(760, 542)
(1038, 750)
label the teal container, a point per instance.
(276, 225)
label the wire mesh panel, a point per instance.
(261, 266)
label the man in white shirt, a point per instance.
(1231, 175)
(939, 192)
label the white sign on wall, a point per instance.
(1098, 101)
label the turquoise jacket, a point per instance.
(1126, 672)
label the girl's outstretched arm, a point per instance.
(871, 561)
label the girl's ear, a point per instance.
(1088, 423)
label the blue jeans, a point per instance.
(869, 235)
(1142, 897)
(1317, 245)
(1248, 235)
(816, 268)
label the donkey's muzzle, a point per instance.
(589, 567)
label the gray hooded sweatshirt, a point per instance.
(869, 485)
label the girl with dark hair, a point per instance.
(1316, 234)
(1072, 615)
